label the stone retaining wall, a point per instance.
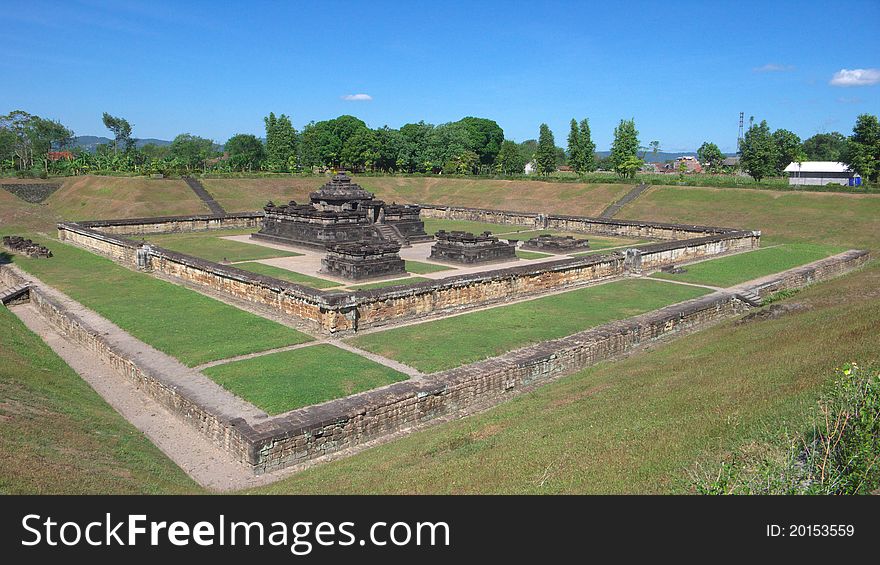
(599, 226)
(176, 224)
(334, 311)
(314, 431)
(229, 432)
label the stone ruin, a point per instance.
(557, 244)
(18, 244)
(341, 212)
(673, 269)
(359, 261)
(469, 249)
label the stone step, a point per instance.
(14, 294)
(750, 297)
(634, 193)
(205, 196)
(392, 234)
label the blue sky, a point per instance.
(683, 70)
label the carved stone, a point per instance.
(359, 261)
(557, 244)
(469, 249)
(341, 212)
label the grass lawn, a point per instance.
(850, 220)
(420, 268)
(728, 271)
(183, 323)
(636, 425)
(433, 225)
(279, 382)
(383, 284)
(286, 275)
(59, 437)
(450, 342)
(531, 254)
(584, 199)
(212, 247)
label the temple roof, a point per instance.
(340, 188)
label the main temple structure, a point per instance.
(342, 212)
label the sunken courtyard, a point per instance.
(391, 290)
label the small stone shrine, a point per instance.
(557, 244)
(469, 249)
(341, 212)
(359, 261)
(18, 244)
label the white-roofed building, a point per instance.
(822, 173)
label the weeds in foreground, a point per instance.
(838, 454)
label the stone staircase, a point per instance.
(206, 197)
(750, 297)
(15, 295)
(636, 191)
(391, 233)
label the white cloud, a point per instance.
(855, 77)
(773, 68)
(357, 97)
(853, 100)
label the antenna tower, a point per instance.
(739, 135)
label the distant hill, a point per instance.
(662, 156)
(90, 142)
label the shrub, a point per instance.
(839, 454)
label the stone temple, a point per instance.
(469, 249)
(359, 261)
(342, 212)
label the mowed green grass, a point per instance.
(283, 381)
(57, 436)
(728, 271)
(637, 425)
(850, 220)
(433, 225)
(213, 247)
(383, 284)
(450, 342)
(531, 254)
(420, 268)
(286, 275)
(180, 322)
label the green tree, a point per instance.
(121, 130)
(528, 149)
(575, 153)
(484, 138)
(323, 142)
(824, 147)
(281, 142)
(788, 147)
(588, 148)
(413, 154)
(246, 152)
(710, 156)
(655, 149)
(758, 152)
(510, 160)
(862, 152)
(190, 151)
(17, 124)
(46, 136)
(389, 143)
(545, 156)
(154, 152)
(448, 146)
(360, 150)
(624, 149)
